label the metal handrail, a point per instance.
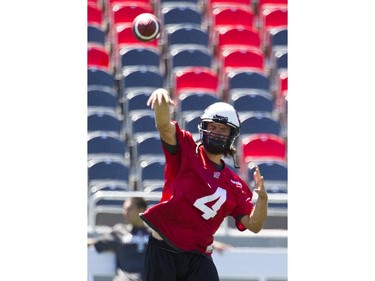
(93, 209)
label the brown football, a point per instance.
(146, 27)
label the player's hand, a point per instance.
(158, 97)
(259, 184)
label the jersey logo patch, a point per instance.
(216, 175)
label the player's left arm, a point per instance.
(254, 222)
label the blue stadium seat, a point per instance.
(186, 35)
(100, 79)
(105, 122)
(108, 170)
(141, 123)
(136, 102)
(147, 146)
(281, 60)
(259, 123)
(248, 80)
(102, 145)
(250, 101)
(141, 78)
(186, 14)
(189, 56)
(193, 101)
(101, 99)
(275, 174)
(140, 56)
(150, 171)
(95, 34)
(190, 123)
(278, 37)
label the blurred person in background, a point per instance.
(127, 240)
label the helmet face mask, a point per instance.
(222, 113)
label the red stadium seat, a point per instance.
(98, 56)
(214, 3)
(126, 12)
(230, 17)
(234, 37)
(240, 60)
(272, 17)
(262, 4)
(262, 147)
(94, 2)
(94, 15)
(196, 78)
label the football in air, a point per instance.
(146, 27)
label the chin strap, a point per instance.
(235, 162)
(197, 147)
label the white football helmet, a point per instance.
(223, 113)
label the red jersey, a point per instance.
(196, 198)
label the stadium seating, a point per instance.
(141, 123)
(258, 147)
(104, 145)
(105, 121)
(211, 4)
(146, 146)
(136, 100)
(185, 35)
(240, 60)
(98, 56)
(272, 16)
(126, 12)
(193, 101)
(150, 171)
(108, 171)
(245, 80)
(182, 57)
(259, 123)
(237, 37)
(136, 56)
(275, 174)
(230, 16)
(248, 79)
(94, 15)
(180, 15)
(123, 37)
(195, 79)
(277, 39)
(96, 34)
(251, 101)
(100, 79)
(190, 123)
(102, 100)
(140, 79)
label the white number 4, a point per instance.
(208, 212)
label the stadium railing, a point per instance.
(94, 209)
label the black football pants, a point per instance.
(163, 263)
